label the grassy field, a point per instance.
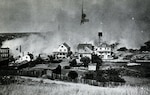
(49, 87)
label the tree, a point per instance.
(73, 74)
(85, 60)
(57, 70)
(73, 62)
(51, 58)
(122, 49)
(114, 45)
(147, 43)
(143, 48)
(69, 53)
(96, 59)
(146, 47)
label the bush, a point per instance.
(89, 75)
(57, 70)
(85, 60)
(111, 75)
(73, 74)
(122, 49)
(73, 63)
(7, 79)
(101, 76)
(96, 59)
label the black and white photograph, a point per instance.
(74, 47)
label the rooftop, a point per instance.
(104, 45)
(66, 45)
(83, 46)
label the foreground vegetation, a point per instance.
(62, 88)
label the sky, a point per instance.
(123, 21)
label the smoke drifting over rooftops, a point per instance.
(123, 21)
(45, 42)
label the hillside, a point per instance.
(37, 86)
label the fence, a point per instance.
(85, 81)
(33, 73)
(39, 73)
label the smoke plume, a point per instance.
(46, 42)
(123, 21)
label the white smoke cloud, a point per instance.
(34, 43)
(45, 42)
(47, 15)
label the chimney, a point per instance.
(100, 36)
(92, 47)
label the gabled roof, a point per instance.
(104, 45)
(83, 46)
(85, 51)
(88, 50)
(66, 45)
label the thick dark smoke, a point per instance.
(124, 21)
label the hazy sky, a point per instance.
(125, 21)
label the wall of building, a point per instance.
(103, 52)
(61, 52)
(61, 55)
(4, 53)
(62, 48)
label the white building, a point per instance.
(62, 51)
(85, 50)
(4, 53)
(103, 50)
(23, 57)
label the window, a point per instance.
(62, 46)
(60, 50)
(64, 49)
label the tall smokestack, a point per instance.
(20, 49)
(100, 36)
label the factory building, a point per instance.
(4, 53)
(4, 56)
